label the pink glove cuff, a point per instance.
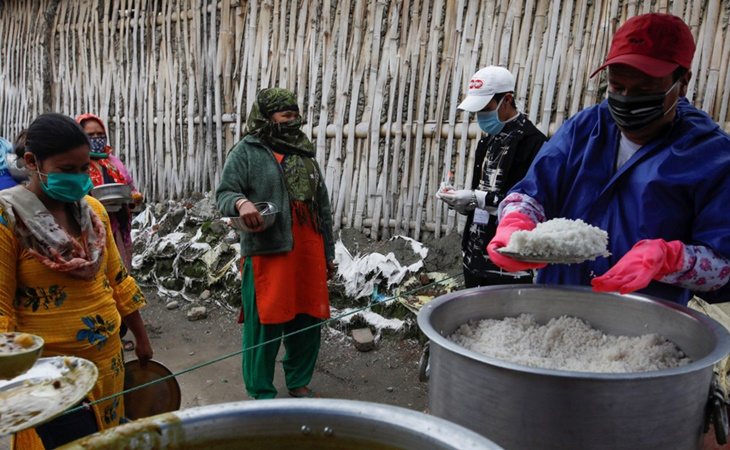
(510, 223)
(514, 221)
(648, 259)
(674, 261)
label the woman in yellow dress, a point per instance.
(61, 276)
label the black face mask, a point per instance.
(636, 112)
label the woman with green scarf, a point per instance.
(285, 266)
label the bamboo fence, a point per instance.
(378, 82)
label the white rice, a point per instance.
(567, 343)
(560, 237)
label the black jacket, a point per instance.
(520, 140)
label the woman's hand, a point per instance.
(250, 215)
(137, 197)
(143, 347)
(143, 350)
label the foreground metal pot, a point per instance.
(521, 407)
(295, 423)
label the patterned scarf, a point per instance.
(301, 176)
(46, 241)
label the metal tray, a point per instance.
(49, 388)
(155, 399)
(566, 259)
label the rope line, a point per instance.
(88, 405)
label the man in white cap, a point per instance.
(503, 156)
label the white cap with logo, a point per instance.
(484, 84)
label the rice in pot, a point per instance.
(567, 343)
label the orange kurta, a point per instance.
(74, 317)
(295, 282)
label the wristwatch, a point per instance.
(472, 202)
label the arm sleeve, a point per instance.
(123, 170)
(126, 292)
(8, 272)
(523, 204)
(326, 217)
(232, 186)
(476, 171)
(543, 180)
(525, 152)
(703, 270)
(532, 147)
(710, 242)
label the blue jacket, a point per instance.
(6, 181)
(676, 187)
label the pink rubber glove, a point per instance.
(510, 223)
(648, 259)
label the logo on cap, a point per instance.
(475, 83)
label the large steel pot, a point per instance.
(521, 407)
(288, 424)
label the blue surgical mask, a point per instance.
(66, 187)
(489, 120)
(98, 145)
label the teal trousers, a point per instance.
(258, 363)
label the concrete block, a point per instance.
(363, 339)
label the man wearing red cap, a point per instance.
(644, 165)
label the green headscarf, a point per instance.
(301, 175)
(287, 137)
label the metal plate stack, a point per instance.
(113, 195)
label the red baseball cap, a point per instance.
(654, 43)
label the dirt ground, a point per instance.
(388, 374)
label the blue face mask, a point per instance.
(66, 187)
(489, 120)
(98, 145)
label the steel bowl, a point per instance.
(112, 193)
(302, 424)
(268, 212)
(16, 361)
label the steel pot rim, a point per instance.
(436, 429)
(721, 335)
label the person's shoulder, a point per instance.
(698, 122)
(592, 114)
(7, 198)
(247, 145)
(97, 207)
(115, 160)
(4, 218)
(531, 131)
